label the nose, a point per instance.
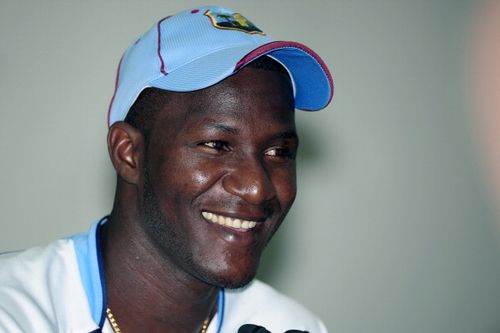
(250, 181)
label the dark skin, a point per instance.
(227, 150)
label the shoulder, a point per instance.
(260, 304)
(27, 270)
(35, 286)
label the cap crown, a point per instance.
(197, 48)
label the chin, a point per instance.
(230, 282)
(232, 277)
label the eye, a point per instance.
(215, 145)
(281, 152)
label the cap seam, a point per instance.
(206, 54)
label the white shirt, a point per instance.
(60, 288)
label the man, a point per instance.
(202, 137)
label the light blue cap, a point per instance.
(200, 47)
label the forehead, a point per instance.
(251, 98)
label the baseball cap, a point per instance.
(200, 47)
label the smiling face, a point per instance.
(220, 175)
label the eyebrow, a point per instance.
(231, 130)
(223, 128)
(285, 135)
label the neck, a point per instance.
(146, 291)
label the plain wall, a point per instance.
(393, 229)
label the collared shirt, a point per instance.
(60, 288)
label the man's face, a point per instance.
(220, 175)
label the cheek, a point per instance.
(185, 172)
(285, 184)
(196, 177)
(200, 178)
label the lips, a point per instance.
(231, 222)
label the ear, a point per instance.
(126, 150)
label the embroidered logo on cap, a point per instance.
(232, 21)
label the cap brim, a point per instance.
(311, 78)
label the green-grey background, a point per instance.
(393, 229)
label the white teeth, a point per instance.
(230, 222)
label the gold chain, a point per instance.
(117, 329)
(205, 325)
(112, 321)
